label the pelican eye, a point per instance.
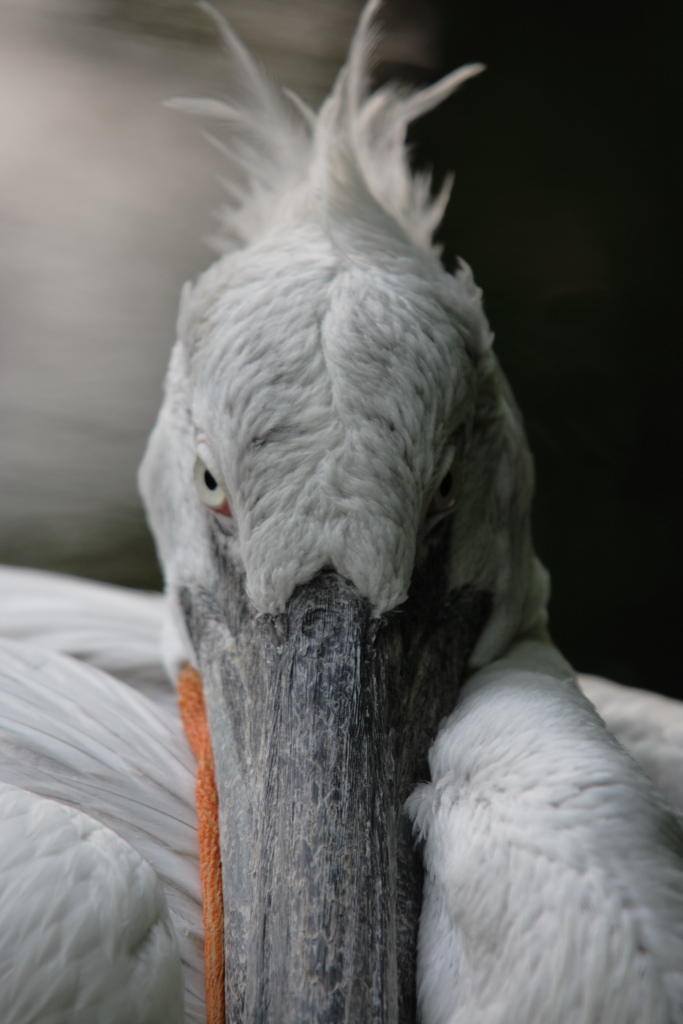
(448, 492)
(209, 490)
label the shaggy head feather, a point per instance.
(287, 161)
(327, 366)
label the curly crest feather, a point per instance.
(348, 162)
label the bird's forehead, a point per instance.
(304, 342)
(327, 392)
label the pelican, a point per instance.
(339, 486)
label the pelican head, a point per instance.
(339, 486)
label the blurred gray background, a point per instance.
(568, 159)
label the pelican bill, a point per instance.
(321, 719)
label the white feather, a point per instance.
(115, 629)
(289, 160)
(70, 733)
(269, 143)
(648, 725)
(554, 890)
(85, 932)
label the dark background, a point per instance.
(567, 205)
(568, 159)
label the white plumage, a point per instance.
(326, 361)
(554, 887)
(116, 630)
(649, 726)
(328, 377)
(72, 733)
(86, 933)
(530, 758)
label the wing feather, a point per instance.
(70, 733)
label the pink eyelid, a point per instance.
(224, 509)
